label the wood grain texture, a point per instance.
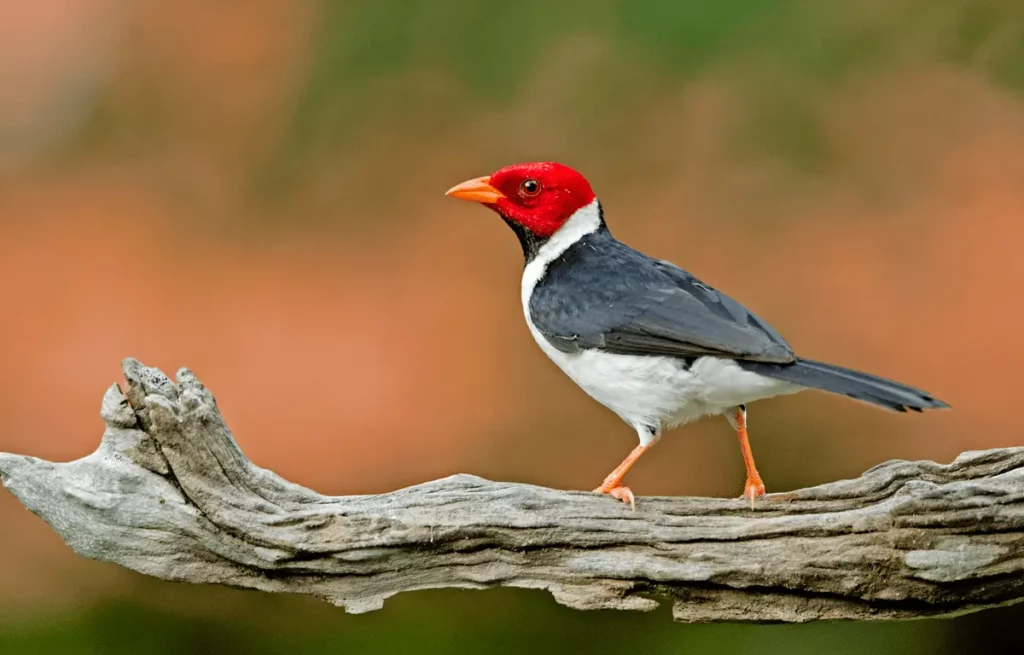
(170, 494)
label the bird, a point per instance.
(646, 339)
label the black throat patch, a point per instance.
(530, 242)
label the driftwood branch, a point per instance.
(169, 493)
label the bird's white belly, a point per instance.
(661, 391)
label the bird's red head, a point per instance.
(539, 196)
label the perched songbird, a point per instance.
(643, 337)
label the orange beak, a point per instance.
(477, 190)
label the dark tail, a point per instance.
(862, 386)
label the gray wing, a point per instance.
(615, 299)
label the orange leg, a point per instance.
(754, 486)
(612, 484)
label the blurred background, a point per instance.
(254, 189)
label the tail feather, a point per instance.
(862, 386)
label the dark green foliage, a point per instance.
(452, 622)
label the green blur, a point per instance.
(503, 621)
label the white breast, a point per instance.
(643, 391)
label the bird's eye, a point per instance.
(530, 187)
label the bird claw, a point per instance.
(625, 494)
(754, 489)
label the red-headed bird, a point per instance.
(642, 336)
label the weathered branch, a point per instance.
(169, 493)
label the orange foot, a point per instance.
(753, 489)
(625, 494)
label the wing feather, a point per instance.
(609, 297)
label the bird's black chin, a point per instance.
(530, 242)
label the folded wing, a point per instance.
(604, 295)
